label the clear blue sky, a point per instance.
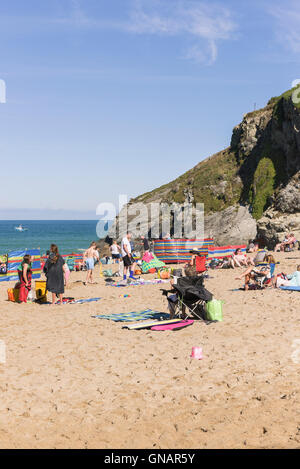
(121, 96)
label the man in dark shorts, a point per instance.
(127, 257)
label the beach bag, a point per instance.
(13, 294)
(164, 274)
(10, 294)
(152, 271)
(214, 310)
(213, 263)
(107, 273)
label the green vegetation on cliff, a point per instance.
(238, 176)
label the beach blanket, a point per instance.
(133, 316)
(290, 288)
(138, 282)
(72, 301)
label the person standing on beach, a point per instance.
(54, 270)
(115, 252)
(127, 256)
(146, 244)
(89, 258)
(25, 275)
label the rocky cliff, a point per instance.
(252, 187)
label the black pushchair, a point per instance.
(188, 298)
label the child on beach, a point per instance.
(89, 258)
(66, 273)
(115, 252)
(25, 276)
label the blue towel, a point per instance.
(290, 288)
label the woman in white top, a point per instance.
(115, 252)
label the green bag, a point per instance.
(107, 273)
(214, 310)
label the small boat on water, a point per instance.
(21, 228)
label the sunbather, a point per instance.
(291, 280)
(239, 259)
(260, 275)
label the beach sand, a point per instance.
(72, 381)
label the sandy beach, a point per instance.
(73, 381)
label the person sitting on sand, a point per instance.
(89, 257)
(258, 274)
(291, 281)
(260, 255)
(239, 259)
(55, 274)
(253, 247)
(25, 276)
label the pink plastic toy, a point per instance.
(197, 353)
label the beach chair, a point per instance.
(187, 298)
(263, 281)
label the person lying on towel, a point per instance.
(291, 280)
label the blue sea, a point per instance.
(70, 236)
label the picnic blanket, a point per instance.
(133, 316)
(72, 301)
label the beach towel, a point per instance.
(290, 288)
(138, 282)
(72, 301)
(133, 316)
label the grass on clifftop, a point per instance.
(213, 182)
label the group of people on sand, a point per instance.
(55, 269)
(288, 243)
(260, 270)
(263, 274)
